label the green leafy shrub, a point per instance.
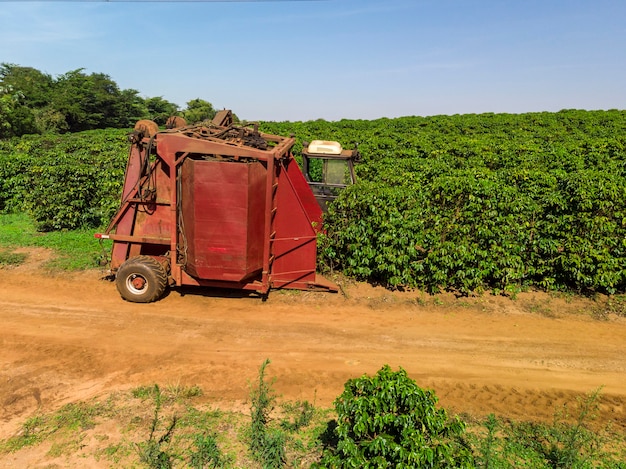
(388, 421)
(64, 181)
(486, 201)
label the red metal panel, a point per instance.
(304, 193)
(294, 246)
(223, 219)
(125, 224)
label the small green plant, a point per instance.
(303, 412)
(541, 308)
(438, 301)
(266, 444)
(143, 392)
(68, 421)
(206, 453)
(388, 421)
(180, 392)
(154, 452)
(487, 443)
(616, 304)
(11, 259)
(563, 444)
(32, 432)
(115, 452)
(566, 443)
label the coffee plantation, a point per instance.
(463, 203)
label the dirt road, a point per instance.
(71, 337)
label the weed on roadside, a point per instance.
(614, 304)
(566, 443)
(68, 422)
(541, 308)
(289, 437)
(154, 452)
(11, 259)
(267, 444)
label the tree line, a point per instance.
(34, 102)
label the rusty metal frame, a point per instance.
(173, 147)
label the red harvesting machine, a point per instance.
(214, 205)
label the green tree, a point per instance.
(133, 107)
(198, 110)
(16, 119)
(34, 86)
(29, 91)
(160, 109)
(89, 101)
(72, 102)
(7, 106)
(48, 120)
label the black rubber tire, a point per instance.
(141, 279)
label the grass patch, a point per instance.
(11, 259)
(614, 304)
(64, 425)
(75, 249)
(568, 442)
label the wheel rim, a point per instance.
(136, 284)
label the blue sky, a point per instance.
(334, 59)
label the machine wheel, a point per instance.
(141, 279)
